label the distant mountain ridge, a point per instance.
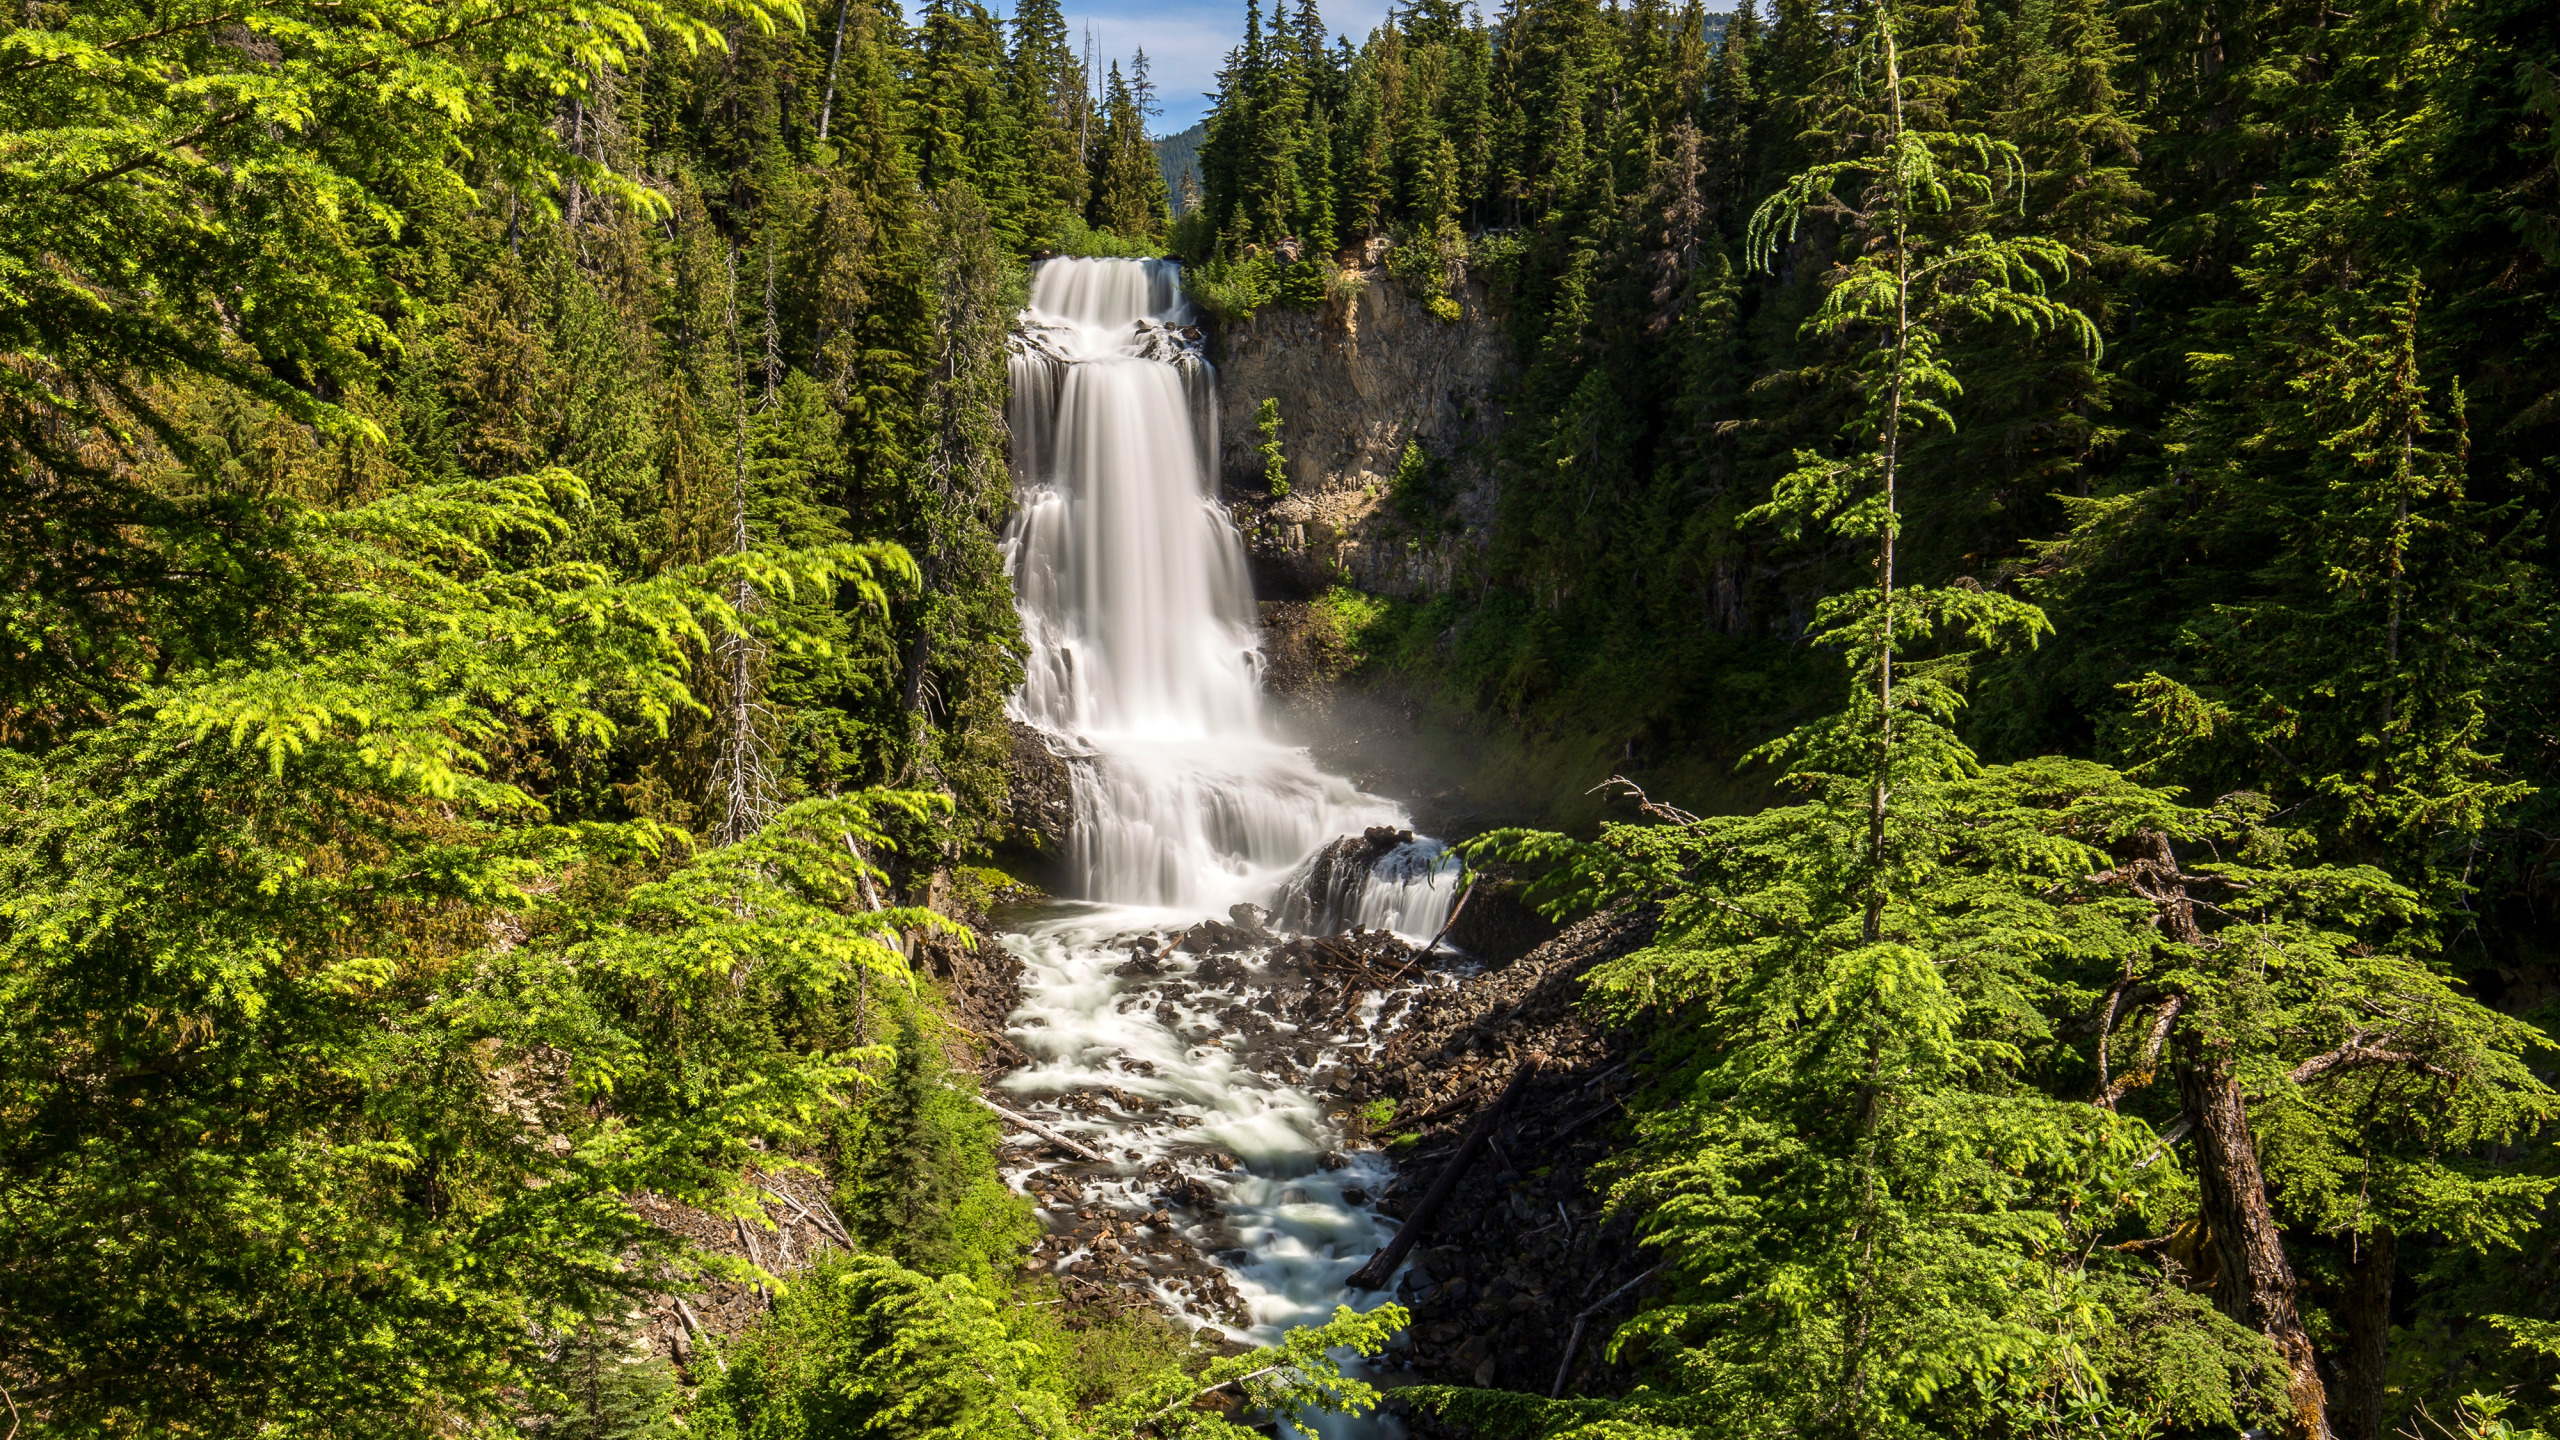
(1177, 153)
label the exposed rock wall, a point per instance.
(1355, 383)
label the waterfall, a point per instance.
(1145, 656)
(1144, 671)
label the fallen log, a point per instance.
(1382, 1265)
(1454, 912)
(1044, 1132)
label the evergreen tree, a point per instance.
(1127, 187)
(1048, 91)
(921, 1187)
(967, 127)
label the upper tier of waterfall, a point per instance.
(1145, 652)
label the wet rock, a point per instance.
(1039, 794)
(1324, 895)
(1213, 937)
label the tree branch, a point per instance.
(2140, 1075)
(2355, 1054)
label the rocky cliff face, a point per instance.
(1356, 382)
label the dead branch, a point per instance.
(2151, 1047)
(1667, 814)
(1574, 1343)
(1383, 1264)
(2357, 1053)
(1044, 1132)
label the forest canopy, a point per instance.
(508, 640)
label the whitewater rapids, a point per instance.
(1144, 672)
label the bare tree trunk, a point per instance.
(2254, 1285)
(835, 53)
(2360, 1412)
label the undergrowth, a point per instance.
(1083, 242)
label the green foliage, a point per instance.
(1074, 237)
(1420, 492)
(920, 1182)
(1425, 265)
(1275, 465)
(1869, 1157)
(389, 1045)
(1348, 616)
(864, 1347)
(405, 402)
(603, 1386)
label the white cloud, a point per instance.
(1187, 43)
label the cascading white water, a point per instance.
(1144, 669)
(1145, 655)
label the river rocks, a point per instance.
(1523, 1247)
(1151, 1224)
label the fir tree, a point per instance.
(1048, 92)
(1127, 187)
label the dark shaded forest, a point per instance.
(507, 644)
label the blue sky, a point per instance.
(1186, 43)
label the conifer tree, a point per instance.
(1127, 187)
(967, 126)
(1048, 91)
(1905, 285)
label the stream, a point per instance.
(1179, 1020)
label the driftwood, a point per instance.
(701, 1338)
(826, 1223)
(747, 1239)
(1044, 1132)
(1374, 1275)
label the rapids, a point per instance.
(1144, 672)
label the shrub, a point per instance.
(1275, 466)
(1083, 242)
